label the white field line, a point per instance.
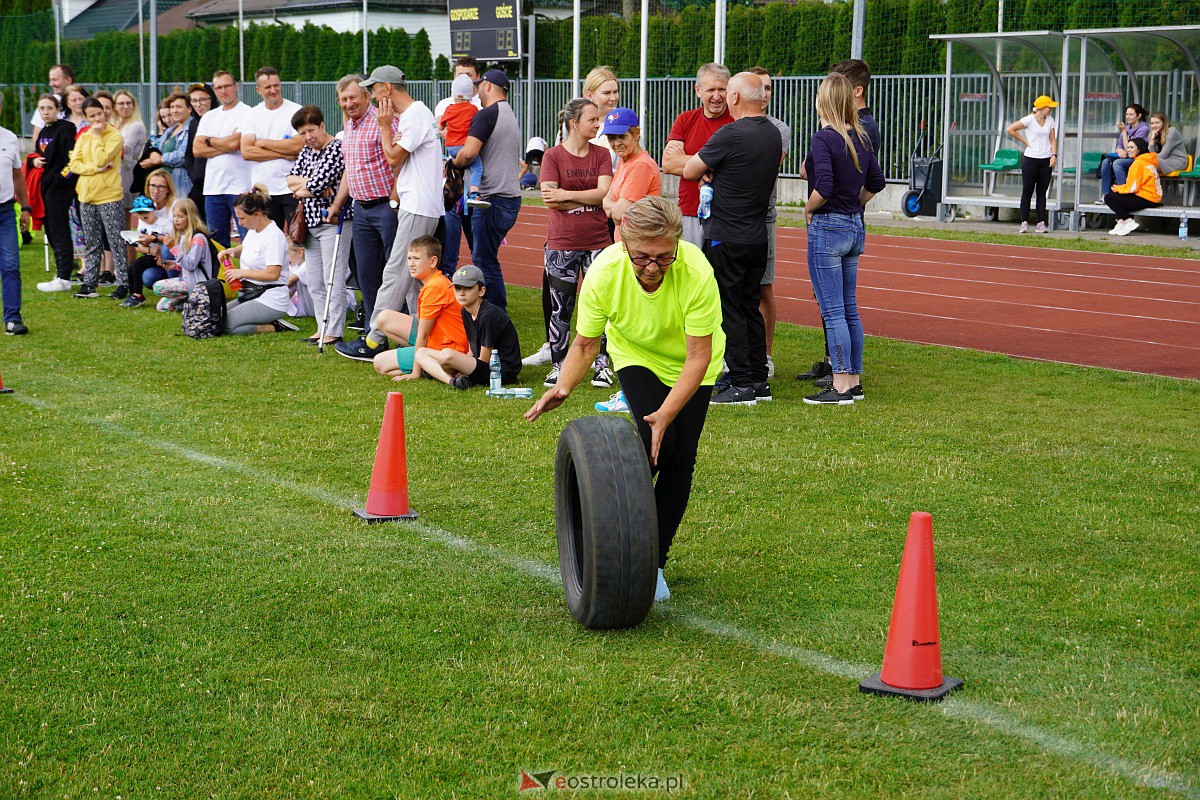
(954, 707)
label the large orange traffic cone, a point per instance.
(2, 389)
(912, 661)
(387, 498)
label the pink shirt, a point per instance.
(367, 170)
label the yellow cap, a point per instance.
(1044, 102)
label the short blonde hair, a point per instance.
(652, 218)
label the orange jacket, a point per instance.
(1143, 179)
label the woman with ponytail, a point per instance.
(843, 175)
(263, 272)
(575, 177)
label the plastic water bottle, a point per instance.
(494, 364)
(1183, 227)
(706, 196)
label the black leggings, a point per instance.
(136, 269)
(58, 231)
(1123, 205)
(1035, 174)
(645, 394)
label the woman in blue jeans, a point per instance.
(1114, 167)
(843, 174)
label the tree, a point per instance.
(420, 61)
(441, 69)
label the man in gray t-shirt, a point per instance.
(495, 137)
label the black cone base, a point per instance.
(368, 517)
(873, 685)
(6, 391)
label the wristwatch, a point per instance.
(395, 204)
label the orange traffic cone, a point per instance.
(912, 661)
(2, 389)
(387, 498)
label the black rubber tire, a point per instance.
(910, 204)
(1096, 221)
(606, 521)
(991, 213)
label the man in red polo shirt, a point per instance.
(691, 131)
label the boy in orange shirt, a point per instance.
(439, 325)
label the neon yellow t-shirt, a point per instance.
(648, 329)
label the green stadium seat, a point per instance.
(1091, 163)
(1005, 159)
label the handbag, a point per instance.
(297, 228)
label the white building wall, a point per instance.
(70, 9)
(436, 25)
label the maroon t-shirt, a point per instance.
(694, 130)
(586, 227)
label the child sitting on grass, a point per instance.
(488, 328)
(439, 325)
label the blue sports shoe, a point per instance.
(614, 405)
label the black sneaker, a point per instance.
(820, 369)
(281, 325)
(313, 340)
(735, 396)
(552, 377)
(359, 350)
(830, 397)
(87, 293)
(133, 301)
(119, 293)
(77, 277)
(823, 383)
(107, 279)
(762, 392)
(857, 393)
(15, 328)
(462, 382)
(26, 238)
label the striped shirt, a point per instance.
(369, 174)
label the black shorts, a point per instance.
(482, 376)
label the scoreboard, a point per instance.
(489, 30)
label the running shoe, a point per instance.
(613, 405)
(603, 378)
(552, 378)
(829, 397)
(55, 285)
(536, 359)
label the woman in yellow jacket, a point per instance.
(96, 159)
(1142, 188)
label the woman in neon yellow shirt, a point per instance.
(656, 299)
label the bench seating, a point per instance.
(1004, 160)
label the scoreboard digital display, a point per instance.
(489, 30)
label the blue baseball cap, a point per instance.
(619, 121)
(141, 203)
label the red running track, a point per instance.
(1130, 313)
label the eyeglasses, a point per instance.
(662, 261)
(224, 86)
(156, 187)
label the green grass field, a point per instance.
(189, 608)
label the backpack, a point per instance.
(452, 184)
(204, 310)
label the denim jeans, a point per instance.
(373, 235)
(835, 241)
(218, 211)
(10, 263)
(1114, 171)
(491, 225)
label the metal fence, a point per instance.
(900, 103)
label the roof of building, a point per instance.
(112, 15)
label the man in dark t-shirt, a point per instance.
(743, 159)
(495, 137)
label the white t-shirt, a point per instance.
(444, 104)
(419, 182)
(261, 249)
(267, 124)
(227, 173)
(10, 159)
(1038, 136)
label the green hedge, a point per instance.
(800, 37)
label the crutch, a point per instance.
(337, 241)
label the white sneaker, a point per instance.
(542, 356)
(1041, 228)
(1024, 228)
(1129, 227)
(614, 405)
(1117, 228)
(770, 368)
(661, 592)
(55, 285)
